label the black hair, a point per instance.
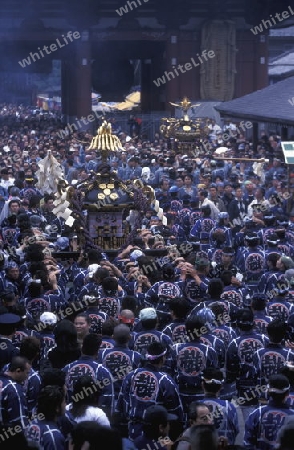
(218, 309)
(49, 403)
(193, 407)
(8, 296)
(91, 344)
(168, 272)
(156, 348)
(48, 197)
(206, 210)
(190, 257)
(100, 274)
(281, 233)
(84, 315)
(34, 252)
(12, 220)
(251, 239)
(258, 302)
(34, 201)
(245, 319)
(287, 372)
(53, 376)
(109, 285)
(276, 331)
(149, 267)
(66, 336)
(290, 328)
(18, 362)
(273, 258)
(80, 402)
(193, 327)
(149, 324)
(219, 236)
(163, 179)
(152, 431)
(30, 348)
(226, 277)
(179, 306)
(18, 309)
(215, 288)
(212, 373)
(13, 201)
(280, 382)
(94, 256)
(121, 334)
(92, 301)
(203, 437)
(129, 302)
(286, 436)
(92, 432)
(269, 219)
(35, 289)
(108, 327)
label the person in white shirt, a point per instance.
(84, 404)
(259, 204)
(6, 178)
(203, 201)
(214, 127)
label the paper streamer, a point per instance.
(62, 208)
(160, 213)
(49, 174)
(69, 221)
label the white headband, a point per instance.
(152, 357)
(278, 391)
(213, 381)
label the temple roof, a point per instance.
(274, 104)
(282, 65)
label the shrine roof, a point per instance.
(274, 104)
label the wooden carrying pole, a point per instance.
(260, 160)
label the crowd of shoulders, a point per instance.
(187, 324)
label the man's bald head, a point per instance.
(127, 317)
(121, 334)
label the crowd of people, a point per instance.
(184, 339)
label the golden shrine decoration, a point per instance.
(105, 142)
(185, 133)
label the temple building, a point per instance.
(205, 50)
